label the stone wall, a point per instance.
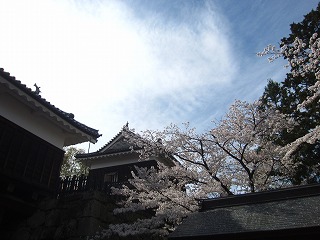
(71, 217)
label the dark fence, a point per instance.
(71, 184)
(74, 184)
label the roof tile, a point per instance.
(69, 117)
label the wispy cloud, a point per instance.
(147, 62)
(187, 60)
(107, 64)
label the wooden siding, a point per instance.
(97, 176)
(26, 158)
(97, 180)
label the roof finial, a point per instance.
(126, 126)
(37, 91)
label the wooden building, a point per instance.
(113, 163)
(33, 133)
(292, 213)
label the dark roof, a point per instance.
(68, 117)
(260, 197)
(275, 213)
(119, 146)
(116, 145)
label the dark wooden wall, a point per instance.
(97, 176)
(29, 171)
(26, 158)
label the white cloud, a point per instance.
(101, 62)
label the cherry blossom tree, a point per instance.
(303, 58)
(165, 191)
(236, 156)
(292, 91)
(306, 66)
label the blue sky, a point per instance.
(150, 63)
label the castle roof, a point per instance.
(35, 101)
(284, 213)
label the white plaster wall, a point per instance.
(34, 122)
(113, 161)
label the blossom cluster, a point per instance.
(238, 155)
(235, 156)
(304, 58)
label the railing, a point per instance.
(74, 184)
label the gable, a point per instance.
(117, 144)
(26, 108)
(116, 152)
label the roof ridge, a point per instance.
(69, 117)
(124, 127)
(261, 197)
(110, 141)
(103, 150)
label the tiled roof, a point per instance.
(117, 145)
(68, 117)
(284, 215)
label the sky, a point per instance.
(146, 62)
